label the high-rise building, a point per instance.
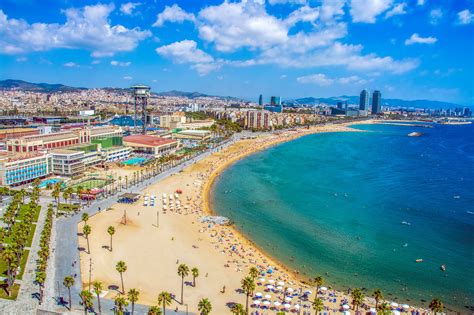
(339, 105)
(260, 100)
(364, 100)
(275, 100)
(376, 102)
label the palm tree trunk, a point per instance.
(110, 242)
(98, 303)
(70, 300)
(88, 248)
(247, 304)
(182, 288)
(194, 281)
(121, 279)
(164, 309)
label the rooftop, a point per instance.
(148, 140)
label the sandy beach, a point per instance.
(153, 253)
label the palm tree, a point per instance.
(121, 267)
(377, 294)
(238, 309)
(357, 298)
(126, 182)
(248, 285)
(164, 299)
(133, 297)
(87, 230)
(204, 306)
(183, 271)
(56, 192)
(120, 303)
(67, 194)
(111, 231)
(384, 309)
(85, 217)
(86, 298)
(154, 310)
(68, 282)
(318, 282)
(97, 290)
(436, 306)
(318, 305)
(120, 183)
(9, 256)
(195, 273)
(253, 272)
(40, 279)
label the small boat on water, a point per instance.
(419, 260)
(443, 267)
(405, 245)
(405, 223)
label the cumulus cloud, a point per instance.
(417, 39)
(273, 2)
(366, 11)
(127, 77)
(116, 63)
(86, 28)
(322, 80)
(71, 64)
(465, 17)
(127, 8)
(303, 14)
(398, 9)
(435, 16)
(332, 9)
(173, 14)
(420, 2)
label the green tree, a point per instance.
(384, 309)
(318, 305)
(68, 282)
(378, 296)
(86, 230)
(67, 194)
(56, 192)
(97, 290)
(436, 306)
(40, 279)
(238, 309)
(204, 306)
(253, 272)
(121, 267)
(10, 258)
(164, 299)
(154, 310)
(357, 298)
(120, 304)
(248, 286)
(133, 297)
(85, 217)
(195, 273)
(111, 232)
(183, 271)
(318, 282)
(86, 298)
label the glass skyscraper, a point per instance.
(376, 102)
(364, 100)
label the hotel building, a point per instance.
(21, 169)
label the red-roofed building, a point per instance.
(153, 145)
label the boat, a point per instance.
(405, 245)
(415, 134)
(405, 223)
(419, 260)
(443, 267)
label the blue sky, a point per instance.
(410, 49)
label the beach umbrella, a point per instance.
(393, 304)
(261, 279)
(268, 296)
(405, 306)
(289, 290)
(286, 305)
(395, 312)
(297, 307)
(323, 289)
(346, 307)
(256, 302)
(281, 283)
(277, 303)
(373, 310)
(266, 303)
(269, 286)
(258, 294)
(308, 292)
(287, 299)
(271, 281)
(347, 313)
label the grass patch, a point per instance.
(24, 209)
(9, 239)
(14, 292)
(90, 183)
(67, 207)
(24, 259)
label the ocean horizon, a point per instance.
(359, 208)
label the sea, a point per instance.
(360, 208)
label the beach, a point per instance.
(154, 241)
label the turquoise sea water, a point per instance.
(332, 204)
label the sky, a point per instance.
(409, 49)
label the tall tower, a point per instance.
(260, 100)
(376, 103)
(364, 100)
(140, 95)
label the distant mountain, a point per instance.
(385, 101)
(37, 87)
(175, 93)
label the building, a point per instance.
(260, 100)
(196, 124)
(275, 100)
(376, 103)
(152, 145)
(364, 100)
(171, 121)
(192, 135)
(12, 133)
(19, 169)
(274, 108)
(257, 119)
(67, 162)
(340, 105)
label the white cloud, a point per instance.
(173, 14)
(127, 77)
(332, 9)
(417, 39)
(21, 59)
(435, 16)
(322, 80)
(71, 64)
(465, 17)
(283, 76)
(120, 63)
(95, 62)
(303, 14)
(273, 2)
(87, 28)
(246, 24)
(398, 9)
(366, 11)
(127, 8)
(420, 2)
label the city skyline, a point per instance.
(407, 49)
